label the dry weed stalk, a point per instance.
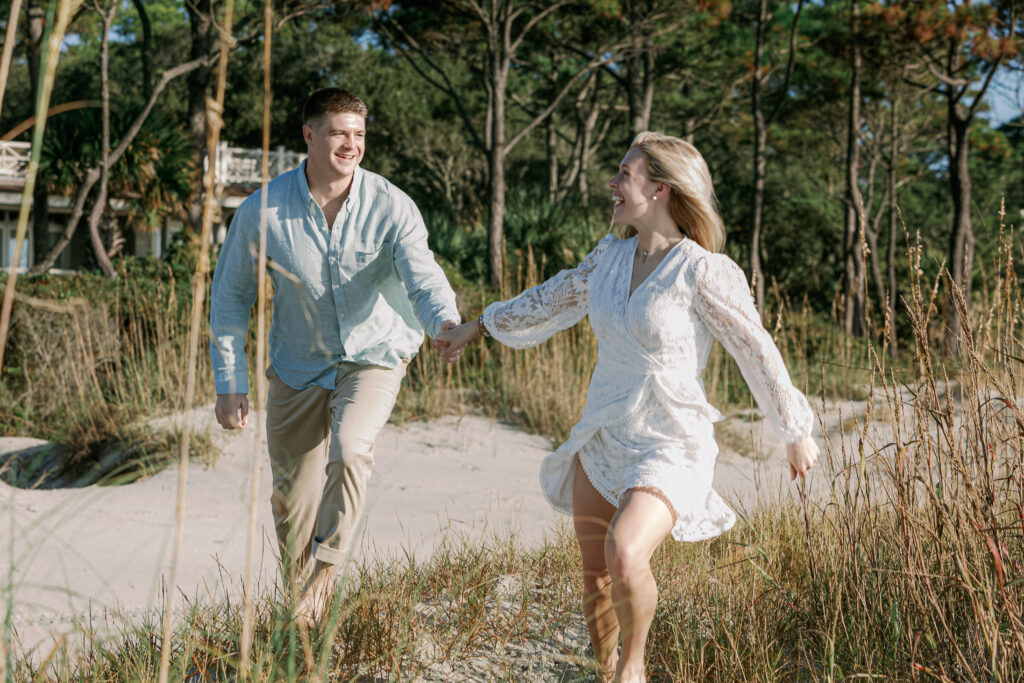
(248, 613)
(214, 122)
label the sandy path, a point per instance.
(78, 553)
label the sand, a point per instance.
(81, 555)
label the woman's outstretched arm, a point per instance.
(723, 301)
(534, 315)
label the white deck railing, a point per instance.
(242, 165)
(14, 158)
(235, 165)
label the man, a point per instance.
(355, 285)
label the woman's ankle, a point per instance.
(608, 666)
(628, 672)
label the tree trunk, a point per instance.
(639, 67)
(200, 14)
(760, 147)
(146, 47)
(496, 217)
(589, 142)
(689, 124)
(101, 199)
(894, 149)
(551, 145)
(871, 233)
(855, 275)
(40, 193)
(78, 206)
(961, 238)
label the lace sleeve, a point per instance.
(724, 303)
(539, 312)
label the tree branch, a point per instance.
(790, 63)
(446, 87)
(981, 93)
(94, 173)
(948, 80)
(514, 45)
(550, 108)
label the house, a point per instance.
(237, 175)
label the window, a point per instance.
(56, 231)
(8, 234)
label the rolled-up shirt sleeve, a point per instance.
(232, 295)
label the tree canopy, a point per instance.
(503, 119)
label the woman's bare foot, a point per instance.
(630, 674)
(607, 672)
(311, 606)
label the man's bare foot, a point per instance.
(319, 588)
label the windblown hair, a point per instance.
(332, 101)
(692, 202)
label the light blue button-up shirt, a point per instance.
(363, 291)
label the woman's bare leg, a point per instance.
(591, 517)
(637, 529)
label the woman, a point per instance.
(640, 462)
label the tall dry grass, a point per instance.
(905, 565)
(91, 373)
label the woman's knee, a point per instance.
(624, 558)
(596, 580)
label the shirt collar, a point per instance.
(357, 183)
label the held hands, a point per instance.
(232, 410)
(801, 456)
(452, 340)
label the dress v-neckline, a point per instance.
(632, 264)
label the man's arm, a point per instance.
(432, 297)
(231, 298)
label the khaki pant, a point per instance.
(321, 456)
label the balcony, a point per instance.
(242, 165)
(14, 158)
(234, 165)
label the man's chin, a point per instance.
(346, 167)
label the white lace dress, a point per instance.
(647, 421)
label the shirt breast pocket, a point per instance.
(373, 256)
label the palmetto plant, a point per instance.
(152, 178)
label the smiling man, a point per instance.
(355, 286)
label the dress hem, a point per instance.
(690, 530)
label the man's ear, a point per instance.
(307, 133)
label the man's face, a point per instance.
(335, 143)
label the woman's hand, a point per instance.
(801, 456)
(451, 342)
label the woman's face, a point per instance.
(632, 190)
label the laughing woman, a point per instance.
(639, 464)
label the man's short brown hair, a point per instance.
(332, 101)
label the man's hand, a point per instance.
(452, 340)
(801, 456)
(448, 325)
(232, 410)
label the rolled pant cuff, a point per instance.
(327, 554)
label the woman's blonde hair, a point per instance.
(692, 202)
